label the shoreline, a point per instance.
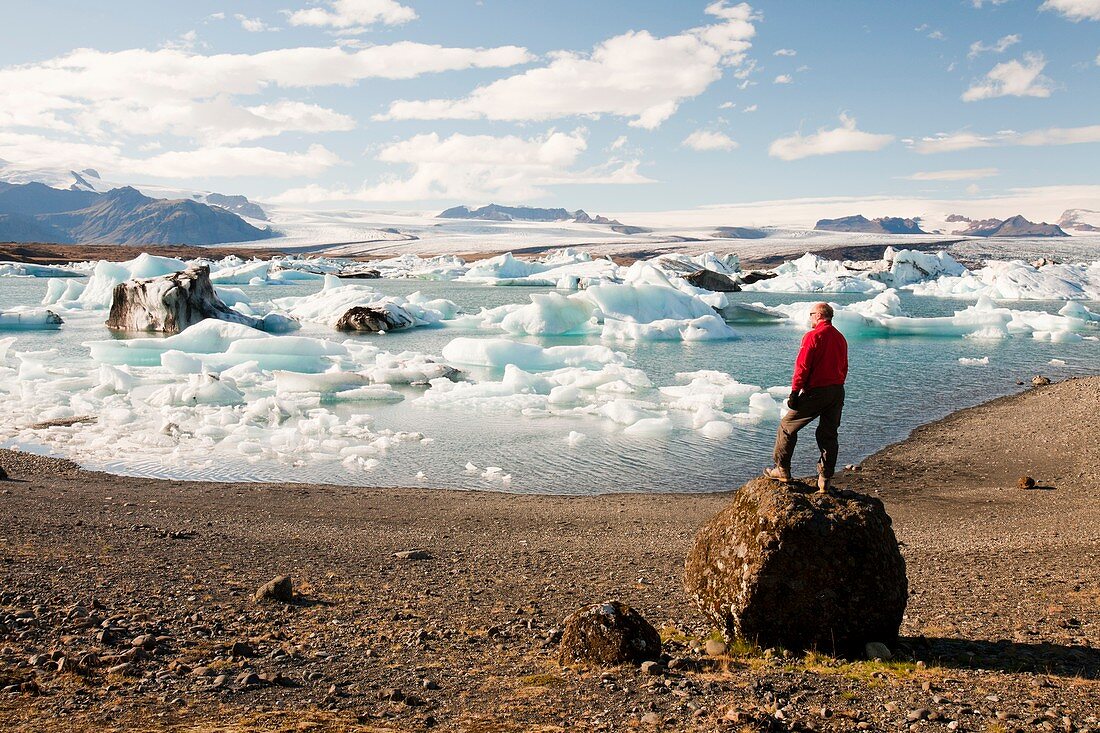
(1005, 595)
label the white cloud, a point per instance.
(216, 16)
(30, 151)
(477, 168)
(951, 142)
(843, 139)
(353, 16)
(783, 79)
(785, 52)
(979, 3)
(143, 92)
(618, 142)
(706, 140)
(1003, 43)
(751, 108)
(961, 174)
(727, 105)
(253, 25)
(1075, 10)
(937, 35)
(633, 75)
(1013, 79)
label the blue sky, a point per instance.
(609, 106)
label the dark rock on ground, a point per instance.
(171, 303)
(280, 588)
(713, 281)
(781, 568)
(608, 633)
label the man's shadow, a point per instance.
(1003, 655)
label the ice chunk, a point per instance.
(106, 275)
(550, 314)
(327, 382)
(812, 274)
(497, 353)
(200, 389)
(27, 318)
(1019, 280)
(5, 344)
(574, 438)
(337, 298)
(220, 345)
(655, 427)
(716, 430)
(26, 269)
(969, 361)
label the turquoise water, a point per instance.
(895, 384)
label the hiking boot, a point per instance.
(779, 474)
(822, 484)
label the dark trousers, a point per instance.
(825, 403)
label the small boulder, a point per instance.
(783, 568)
(877, 651)
(413, 555)
(1039, 380)
(713, 281)
(277, 589)
(716, 648)
(608, 633)
(3, 474)
(1025, 482)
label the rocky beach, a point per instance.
(129, 604)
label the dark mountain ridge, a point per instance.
(860, 223)
(34, 212)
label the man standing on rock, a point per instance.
(817, 392)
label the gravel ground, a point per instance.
(127, 604)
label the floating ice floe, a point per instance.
(336, 298)
(26, 269)
(883, 316)
(1018, 280)
(647, 305)
(27, 318)
(218, 345)
(97, 291)
(972, 361)
(813, 274)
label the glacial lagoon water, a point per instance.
(895, 384)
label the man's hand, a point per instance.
(792, 400)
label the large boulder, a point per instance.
(713, 281)
(170, 303)
(608, 633)
(783, 567)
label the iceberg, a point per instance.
(812, 274)
(348, 306)
(219, 345)
(26, 269)
(1018, 280)
(27, 318)
(97, 292)
(499, 353)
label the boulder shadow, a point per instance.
(1003, 655)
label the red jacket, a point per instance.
(822, 360)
